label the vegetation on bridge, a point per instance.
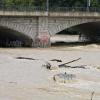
(52, 3)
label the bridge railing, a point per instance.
(51, 9)
(73, 9)
(20, 8)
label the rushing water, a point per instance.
(64, 38)
(22, 79)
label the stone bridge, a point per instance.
(36, 28)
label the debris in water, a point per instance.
(92, 94)
(69, 62)
(56, 60)
(50, 66)
(53, 66)
(63, 77)
(25, 58)
(67, 66)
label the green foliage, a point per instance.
(52, 3)
(95, 3)
(68, 3)
(40, 3)
(12, 3)
(8, 3)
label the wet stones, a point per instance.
(64, 77)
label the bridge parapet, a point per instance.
(42, 11)
(75, 14)
(50, 14)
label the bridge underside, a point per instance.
(89, 32)
(11, 38)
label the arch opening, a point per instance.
(89, 32)
(12, 38)
(82, 33)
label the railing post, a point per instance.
(88, 4)
(47, 5)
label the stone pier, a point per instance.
(42, 38)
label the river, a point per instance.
(22, 79)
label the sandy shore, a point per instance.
(22, 79)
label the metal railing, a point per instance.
(73, 9)
(22, 8)
(51, 9)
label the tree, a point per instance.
(40, 3)
(95, 3)
(24, 2)
(8, 3)
(52, 3)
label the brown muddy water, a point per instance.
(22, 79)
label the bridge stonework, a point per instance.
(42, 38)
(40, 28)
(26, 26)
(59, 24)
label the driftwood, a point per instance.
(69, 62)
(56, 60)
(81, 66)
(25, 58)
(53, 66)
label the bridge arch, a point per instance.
(13, 38)
(18, 24)
(57, 25)
(25, 27)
